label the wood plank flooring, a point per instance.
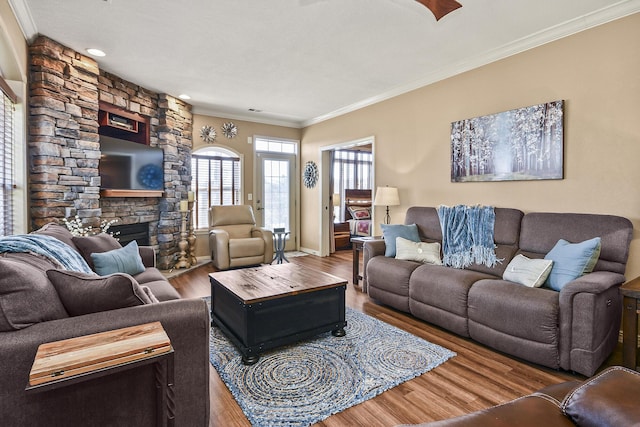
(476, 378)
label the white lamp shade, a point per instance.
(387, 196)
(336, 199)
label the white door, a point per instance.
(275, 195)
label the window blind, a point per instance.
(216, 181)
(7, 149)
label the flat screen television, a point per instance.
(126, 165)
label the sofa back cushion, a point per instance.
(541, 231)
(58, 231)
(26, 295)
(99, 243)
(506, 233)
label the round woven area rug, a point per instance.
(304, 383)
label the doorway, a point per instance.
(275, 188)
(326, 174)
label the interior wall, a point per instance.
(13, 67)
(240, 145)
(595, 72)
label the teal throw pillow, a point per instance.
(123, 260)
(391, 231)
(571, 260)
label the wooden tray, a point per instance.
(81, 355)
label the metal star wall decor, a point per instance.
(208, 134)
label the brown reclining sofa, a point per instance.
(575, 329)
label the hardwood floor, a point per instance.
(476, 378)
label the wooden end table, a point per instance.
(631, 309)
(357, 245)
(75, 360)
(270, 306)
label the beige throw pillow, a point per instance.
(527, 271)
(427, 253)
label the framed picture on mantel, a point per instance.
(517, 145)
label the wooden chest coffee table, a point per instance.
(273, 305)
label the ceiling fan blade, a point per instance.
(440, 8)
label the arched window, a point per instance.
(216, 180)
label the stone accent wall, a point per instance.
(175, 139)
(64, 149)
(63, 133)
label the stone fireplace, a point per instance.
(129, 232)
(65, 89)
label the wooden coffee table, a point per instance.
(270, 306)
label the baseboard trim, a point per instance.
(310, 251)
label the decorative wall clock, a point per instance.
(208, 134)
(229, 130)
(310, 174)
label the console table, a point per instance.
(75, 360)
(631, 307)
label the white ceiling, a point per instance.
(301, 61)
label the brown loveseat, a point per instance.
(124, 399)
(609, 399)
(575, 329)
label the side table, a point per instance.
(279, 241)
(631, 307)
(357, 245)
(75, 360)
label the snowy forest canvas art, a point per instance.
(521, 144)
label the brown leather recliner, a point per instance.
(609, 399)
(235, 240)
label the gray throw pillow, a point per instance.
(26, 296)
(123, 260)
(83, 293)
(99, 243)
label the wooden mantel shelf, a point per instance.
(130, 193)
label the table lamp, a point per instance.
(387, 196)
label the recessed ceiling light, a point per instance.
(95, 52)
(184, 96)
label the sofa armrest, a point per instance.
(219, 247)
(148, 255)
(596, 282)
(126, 398)
(590, 313)
(370, 249)
(267, 236)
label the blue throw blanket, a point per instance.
(60, 253)
(467, 235)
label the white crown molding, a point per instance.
(246, 117)
(573, 26)
(25, 19)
